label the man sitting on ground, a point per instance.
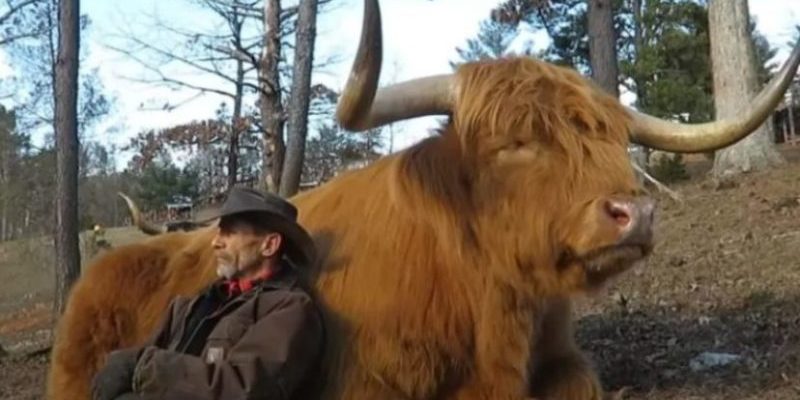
(254, 333)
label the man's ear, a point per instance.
(271, 244)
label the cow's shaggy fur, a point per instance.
(446, 269)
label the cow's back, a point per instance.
(398, 311)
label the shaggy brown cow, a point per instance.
(446, 270)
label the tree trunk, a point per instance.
(271, 107)
(236, 20)
(602, 46)
(603, 58)
(3, 216)
(67, 257)
(5, 187)
(791, 112)
(642, 156)
(299, 101)
(735, 83)
(236, 127)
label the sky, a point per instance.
(415, 44)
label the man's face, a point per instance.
(241, 248)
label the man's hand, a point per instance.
(117, 375)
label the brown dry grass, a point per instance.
(26, 286)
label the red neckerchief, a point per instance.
(234, 287)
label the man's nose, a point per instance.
(216, 242)
(633, 218)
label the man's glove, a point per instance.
(117, 375)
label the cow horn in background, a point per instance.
(694, 138)
(360, 107)
(138, 221)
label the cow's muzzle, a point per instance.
(633, 218)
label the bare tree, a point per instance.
(68, 259)
(246, 58)
(641, 155)
(224, 55)
(301, 93)
(275, 111)
(270, 98)
(602, 46)
(9, 150)
(237, 127)
(12, 27)
(603, 58)
(735, 82)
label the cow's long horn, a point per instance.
(138, 221)
(361, 108)
(693, 138)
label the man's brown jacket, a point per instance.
(260, 345)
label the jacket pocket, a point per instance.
(223, 337)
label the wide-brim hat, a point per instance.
(277, 213)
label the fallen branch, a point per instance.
(39, 352)
(660, 186)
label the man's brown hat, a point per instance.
(278, 214)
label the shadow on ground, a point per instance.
(650, 349)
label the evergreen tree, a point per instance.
(662, 46)
(493, 41)
(161, 182)
(333, 150)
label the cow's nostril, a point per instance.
(620, 212)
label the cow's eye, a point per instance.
(516, 144)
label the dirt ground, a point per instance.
(724, 278)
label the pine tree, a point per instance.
(493, 41)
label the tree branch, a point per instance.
(662, 187)
(13, 9)
(175, 57)
(8, 39)
(165, 79)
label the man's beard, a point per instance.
(235, 265)
(226, 270)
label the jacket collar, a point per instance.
(284, 278)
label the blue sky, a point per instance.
(415, 44)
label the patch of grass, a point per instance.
(26, 265)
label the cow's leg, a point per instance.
(409, 368)
(560, 370)
(503, 338)
(364, 385)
